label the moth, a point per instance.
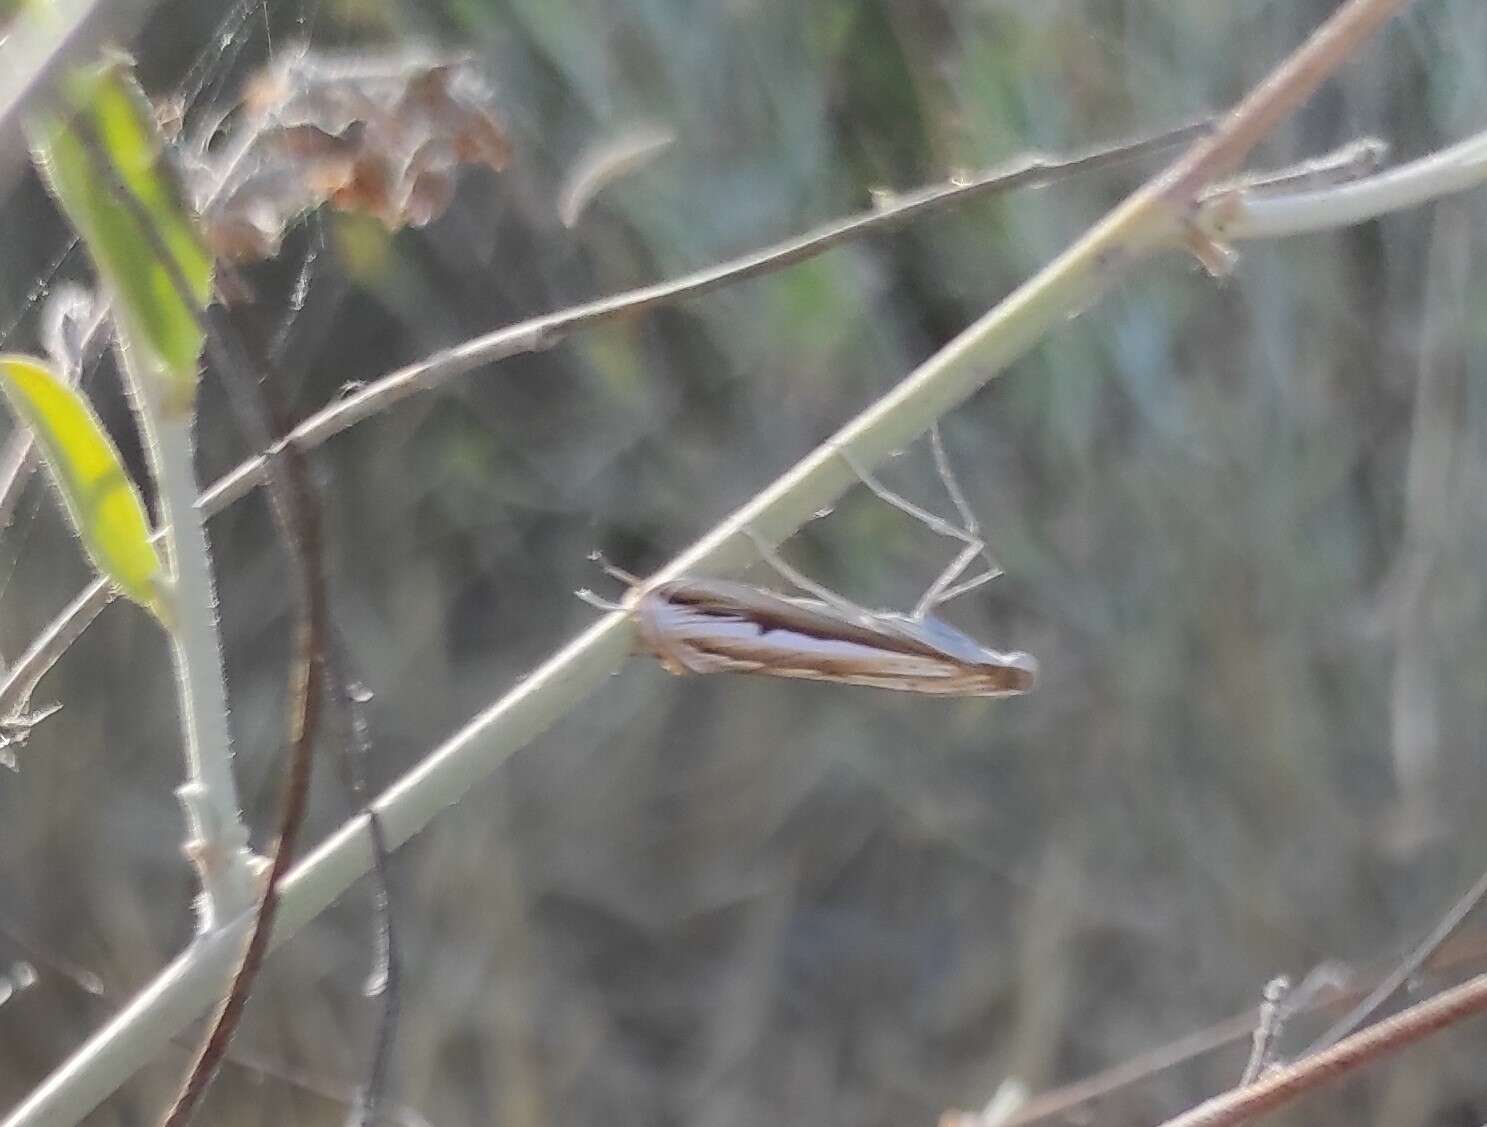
(720, 626)
(717, 626)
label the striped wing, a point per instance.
(703, 628)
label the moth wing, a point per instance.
(842, 619)
(672, 632)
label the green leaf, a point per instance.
(105, 142)
(103, 503)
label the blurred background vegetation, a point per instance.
(1243, 526)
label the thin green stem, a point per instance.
(218, 842)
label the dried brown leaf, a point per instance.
(380, 136)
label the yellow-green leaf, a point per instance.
(102, 143)
(103, 503)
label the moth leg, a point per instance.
(960, 589)
(903, 504)
(952, 484)
(944, 588)
(837, 602)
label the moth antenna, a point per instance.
(612, 571)
(596, 601)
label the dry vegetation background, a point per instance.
(1243, 526)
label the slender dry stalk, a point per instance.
(541, 333)
(1439, 936)
(1074, 1097)
(1283, 1085)
(1271, 102)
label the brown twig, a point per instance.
(540, 333)
(1061, 1102)
(1393, 1033)
(1225, 150)
(349, 699)
(314, 672)
(1406, 970)
(299, 526)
